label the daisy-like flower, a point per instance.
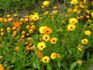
(1, 67)
(48, 30)
(54, 55)
(87, 32)
(45, 59)
(41, 45)
(73, 21)
(53, 40)
(46, 37)
(45, 30)
(84, 41)
(46, 3)
(8, 16)
(21, 19)
(15, 15)
(16, 24)
(10, 19)
(71, 27)
(34, 17)
(42, 28)
(74, 2)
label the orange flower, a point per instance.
(39, 54)
(16, 24)
(26, 20)
(47, 30)
(1, 67)
(1, 20)
(9, 19)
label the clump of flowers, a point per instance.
(47, 39)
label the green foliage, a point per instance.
(15, 5)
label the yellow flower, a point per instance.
(75, 10)
(73, 21)
(8, 29)
(71, 27)
(16, 49)
(46, 37)
(53, 40)
(55, 7)
(9, 19)
(8, 16)
(85, 0)
(5, 20)
(74, 2)
(54, 12)
(46, 13)
(42, 28)
(1, 67)
(27, 26)
(41, 45)
(45, 30)
(15, 15)
(84, 41)
(70, 10)
(21, 19)
(53, 55)
(92, 14)
(2, 33)
(34, 17)
(45, 59)
(2, 30)
(80, 48)
(79, 62)
(46, 3)
(87, 32)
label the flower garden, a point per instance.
(48, 35)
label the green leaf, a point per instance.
(73, 65)
(49, 66)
